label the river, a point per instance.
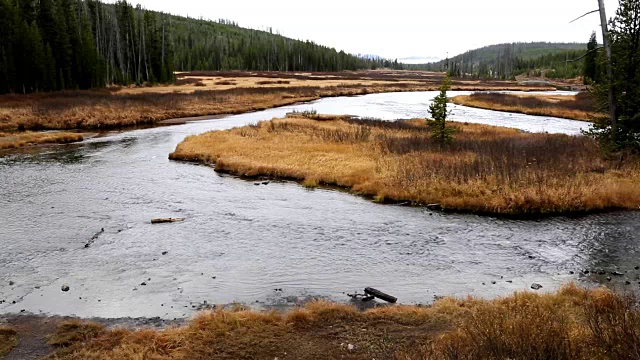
(272, 245)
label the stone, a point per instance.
(165, 252)
(350, 347)
(535, 286)
(65, 288)
(11, 283)
(434, 207)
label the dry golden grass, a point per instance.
(209, 93)
(19, 139)
(8, 340)
(579, 107)
(486, 170)
(572, 323)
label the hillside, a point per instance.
(80, 44)
(508, 60)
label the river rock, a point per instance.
(535, 286)
(434, 207)
(65, 288)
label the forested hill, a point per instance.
(507, 60)
(68, 44)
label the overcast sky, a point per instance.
(400, 29)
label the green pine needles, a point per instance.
(440, 133)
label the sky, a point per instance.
(402, 29)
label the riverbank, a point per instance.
(578, 107)
(209, 94)
(487, 170)
(572, 323)
(21, 139)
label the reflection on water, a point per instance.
(240, 241)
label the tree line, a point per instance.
(48, 45)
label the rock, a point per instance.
(434, 207)
(601, 272)
(493, 282)
(350, 347)
(510, 281)
(265, 183)
(165, 252)
(617, 273)
(608, 278)
(627, 282)
(143, 283)
(571, 272)
(11, 283)
(535, 286)
(256, 184)
(637, 268)
(65, 288)
(531, 257)
(585, 272)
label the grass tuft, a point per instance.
(8, 340)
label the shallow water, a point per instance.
(254, 239)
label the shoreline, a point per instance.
(549, 320)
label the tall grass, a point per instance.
(572, 323)
(117, 107)
(579, 107)
(21, 139)
(486, 170)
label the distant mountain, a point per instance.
(418, 59)
(508, 60)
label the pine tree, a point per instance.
(590, 68)
(440, 133)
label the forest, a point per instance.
(505, 61)
(48, 45)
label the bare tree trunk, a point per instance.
(607, 46)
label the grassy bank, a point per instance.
(572, 323)
(487, 169)
(208, 93)
(20, 139)
(579, 107)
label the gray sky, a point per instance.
(399, 29)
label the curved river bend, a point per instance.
(240, 241)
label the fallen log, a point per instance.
(166, 220)
(380, 295)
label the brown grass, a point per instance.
(198, 94)
(580, 107)
(8, 340)
(486, 170)
(20, 139)
(572, 323)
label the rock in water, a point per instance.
(434, 207)
(535, 286)
(65, 288)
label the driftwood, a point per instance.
(380, 295)
(166, 220)
(94, 238)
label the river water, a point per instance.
(243, 243)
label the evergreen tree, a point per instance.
(590, 62)
(440, 133)
(625, 58)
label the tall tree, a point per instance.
(590, 67)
